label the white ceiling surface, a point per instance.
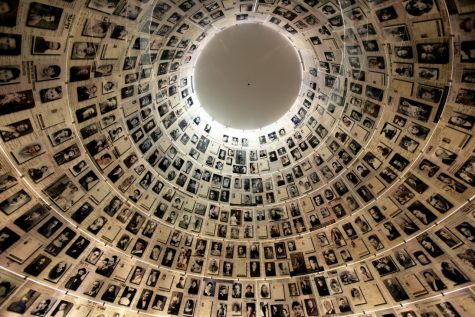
(247, 76)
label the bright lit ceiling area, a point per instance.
(247, 76)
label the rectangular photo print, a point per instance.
(15, 202)
(16, 101)
(11, 74)
(28, 152)
(46, 46)
(63, 192)
(9, 283)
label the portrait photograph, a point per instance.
(7, 181)
(86, 113)
(63, 192)
(50, 227)
(43, 16)
(414, 109)
(439, 203)
(159, 302)
(80, 73)
(22, 302)
(110, 293)
(428, 73)
(366, 29)
(84, 50)
(449, 239)
(79, 167)
(396, 290)
(62, 309)
(10, 74)
(37, 265)
(422, 213)
(15, 202)
(8, 16)
(128, 11)
(466, 49)
(403, 69)
(428, 93)
(447, 157)
(430, 246)
(47, 71)
(433, 53)
(397, 33)
(15, 102)
(51, 94)
(466, 172)
(57, 271)
(32, 217)
(386, 14)
(99, 5)
(89, 180)
(11, 44)
(466, 230)
(43, 306)
(46, 46)
(447, 309)
(8, 285)
(9, 237)
(370, 46)
(60, 241)
(95, 28)
(16, 130)
(385, 265)
(67, 155)
(461, 120)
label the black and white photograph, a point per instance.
(8, 238)
(47, 71)
(108, 7)
(67, 155)
(466, 230)
(95, 28)
(397, 33)
(386, 14)
(16, 102)
(57, 271)
(43, 16)
(22, 302)
(396, 290)
(60, 241)
(15, 202)
(446, 236)
(11, 44)
(62, 309)
(63, 192)
(10, 74)
(46, 46)
(32, 217)
(9, 13)
(433, 53)
(84, 50)
(38, 265)
(414, 109)
(8, 285)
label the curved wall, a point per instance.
(120, 196)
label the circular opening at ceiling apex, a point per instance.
(247, 76)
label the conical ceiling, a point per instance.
(122, 194)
